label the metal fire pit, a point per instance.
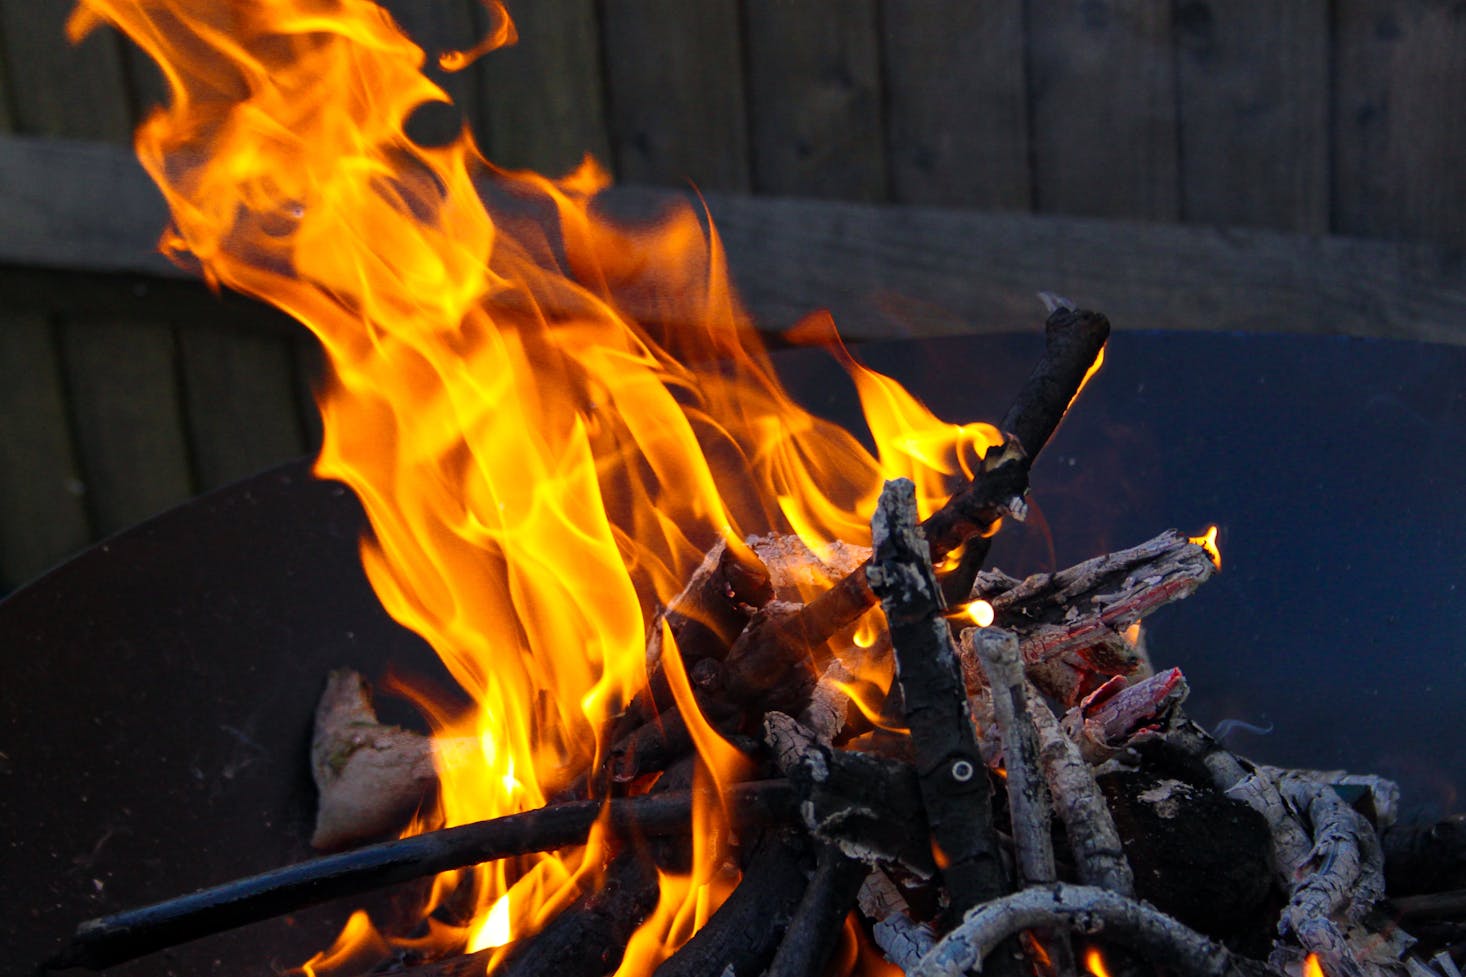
(158, 689)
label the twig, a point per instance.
(954, 785)
(903, 940)
(1109, 719)
(1028, 799)
(1164, 941)
(1099, 856)
(122, 936)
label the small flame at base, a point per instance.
(1208, 542)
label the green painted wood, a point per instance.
(1254, 88)
(126, 411)
(543, 100)
(240, 401)
(42, 516)
(1102, 89)
(814, 98)
(1399, 132)
(57, 89)
(957, 103)
(675, 76)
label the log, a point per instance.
(954, 785)
(903, 940)
(123, 936)
(815, 928)
(1111, 717)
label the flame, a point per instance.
(1094, 962)
(1208, 542)
(979, 612)
(1311, 966)
(548, 416)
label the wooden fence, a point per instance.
(1114, 146)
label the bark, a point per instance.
(954, 785)
(1110, 718)
(815, 928)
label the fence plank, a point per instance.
(1254, 90)
(126, 412)
(1399, 139)
(814, 98)
(1103, 104)
(309, 370)
(543, 100)
(956, 103)
(437, 26)
(239, 389)
(675, 75)
(42, 517)
(57, 89)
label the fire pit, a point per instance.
(162, 685)
(684, 720)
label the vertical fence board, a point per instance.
(42, 517)
(437, 26)
(676, 92)
(1254, 115)
(59, 90)
(956, 103)
(125, 408)
(814, 98)
(1103, 91)
(1399, 134)
(239, 390)
(309, 369)
(544, 103)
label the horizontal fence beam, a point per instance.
(884, 271)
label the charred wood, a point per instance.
(1163, 941)
(1426, 858)
(745, 931)
(123, 936)
(954, 785)
(903, 940)
(815, 928)
(1110, 718)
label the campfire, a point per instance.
(746, 697)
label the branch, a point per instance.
(1167, 943)
(122, 936)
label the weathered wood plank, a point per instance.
(915, 271)
(543, 100)
(814, 98)
(122, 381)
(42, 517)
(675, 74)
(1254, 95)
(956, 103)
(1103, 104)
(239, 391)
(1399, 138)
(59, 90)
(309, 370)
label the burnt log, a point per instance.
(815, 928)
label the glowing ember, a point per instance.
(540, 469)
(1094, 962)
(979, 612)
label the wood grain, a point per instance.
(814, 98)
(1399, 137)
(57, 89)
(239, 397)
(1103, 107)
(125, 406)
(42, 517)
(543, 101)
(1254, 95)
(675, 74)
(956, 103)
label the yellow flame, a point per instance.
(979, 612)
(1208, 542)
(513, 394)
(1094, 962)
(1311, 966)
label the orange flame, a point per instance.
(1311, 966)
(511, 395)
(1208, 542)
(1094, 962)
(979, 612)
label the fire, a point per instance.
(979, 612)
(1094, 962)
(548, 417)
(1311, 966)
(1208, 542)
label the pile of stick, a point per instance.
(1029, 790)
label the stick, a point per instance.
(815, 928)
(122, 936)
(954, 786)
(1028, 801)
(1073, 342)
(901, 939)
(1110, 718)
(746, 929)
(1165, 942)
(1099, 857)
